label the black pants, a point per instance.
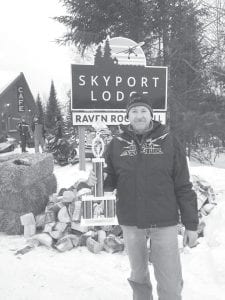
(23, 139)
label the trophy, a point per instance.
(99, 208)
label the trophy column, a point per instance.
(98, 164)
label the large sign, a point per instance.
(95, 88)
(100, 91)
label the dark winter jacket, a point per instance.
(152, 179)
(58, 130)
(23, 129)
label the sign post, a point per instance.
(81, 134)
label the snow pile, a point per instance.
(215, 239)
(215, 229)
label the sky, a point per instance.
(27, 44)
(27, 35)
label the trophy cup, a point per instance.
(99, 208)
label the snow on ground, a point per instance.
(80, 275)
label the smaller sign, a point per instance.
(20, 98)
(109, 118)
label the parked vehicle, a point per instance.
(64, 150)
(7, 144)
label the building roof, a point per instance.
(6, 84)
(6, 78)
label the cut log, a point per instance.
(40, 221)
(27, 219)
(29, 230)
(63, 215)
(56, 234)
(49, 227)
(76, 216)
(68, 196)
(75, 239)
(93, 245)
(64, 244)
(78, 227)
(60, 226)
(44, 239)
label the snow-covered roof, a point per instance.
(6, 78)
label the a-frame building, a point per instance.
(16, 100)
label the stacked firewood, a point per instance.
(59, 226)
(206, 198)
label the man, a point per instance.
(24, 133)
(148, 167)
(58, 129)
(38, 130)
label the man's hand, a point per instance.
(92, 179)
(190, 238)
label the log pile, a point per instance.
(206, 198)
(26, 181)
(59, 227)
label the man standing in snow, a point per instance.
(147, 165)
(38, 130)
(58, 129)
(23, 128)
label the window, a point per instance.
(12, 123)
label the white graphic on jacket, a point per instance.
(130, 150)
(149, 147)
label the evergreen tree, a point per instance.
(186, 63)
(53, 111)
(107, 57)
(174, 36)
(90, 23)
(68, 118)
(40, 109)
(98, 56)
(69, 129)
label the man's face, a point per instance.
(140, 118)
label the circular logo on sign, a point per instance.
(127, 51)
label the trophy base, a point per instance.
(99, 211)
(99, 222)
(98, 160)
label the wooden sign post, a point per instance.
(81, 134)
